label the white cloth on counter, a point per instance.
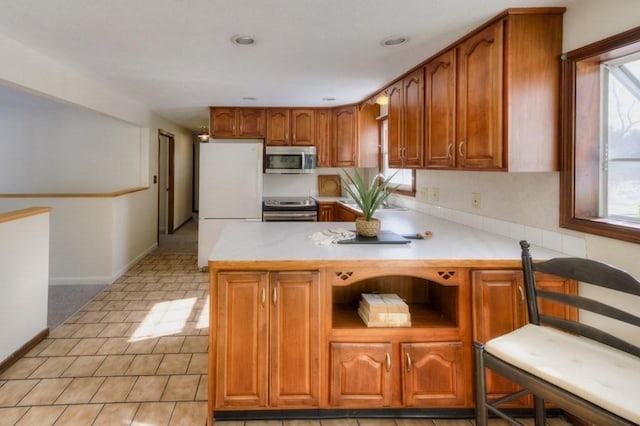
(332, 235)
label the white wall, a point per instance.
(24, 272)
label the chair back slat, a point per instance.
(586, 271)
(592, 333)
(590, 305)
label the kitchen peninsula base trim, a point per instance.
(396, 413)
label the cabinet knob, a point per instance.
(409, 364)
(388, 362)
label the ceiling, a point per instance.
(176, 56)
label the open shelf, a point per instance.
(422, 316)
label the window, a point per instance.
(405, 178)
(600, 175)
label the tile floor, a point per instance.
(137, 355)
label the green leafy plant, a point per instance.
(367, 197)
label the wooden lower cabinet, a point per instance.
(432, 374)
(326, 212)
(268, 339)
(499, 307)
(344, 214)
(360, 375)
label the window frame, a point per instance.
(580, 162)
(381, 166)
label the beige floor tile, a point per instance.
(84, 366)
(115, 330)
(119, 305)
(91, 317)
(339, 422)
(115, 316)
(23, 368)
(116, 414)
(135, 296)
(114, 346)
(37, 349)
(181, 388)
(418, 422)
(154, 413)
(148, 389)
(144, 346)
(232, 423)
(10, 416)
(88, 346)
(14, 390)
(137, 305)
(264, 423)
(114, 389)
(174, 364)
(45, 392)
(41, 416)
(169, 344)
(376, 422)
(53, 367)
(80, 390)
(195, 344)
(199, 364)
(304, 422)
(59, 347)
(114, 295)
(189, 414)
(95, 305)
(89, 330)
(203, 388)
(144, 365)
(76, 415)
(114, 365)
(64, 330)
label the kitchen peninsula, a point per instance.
(286, 340)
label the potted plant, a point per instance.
(368, 198)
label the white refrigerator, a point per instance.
(230, 188)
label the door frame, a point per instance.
(170, 180)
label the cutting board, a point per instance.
(384, 237)
(329, 186)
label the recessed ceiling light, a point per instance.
(328, 99)
(394, 41)
(243, 40)
(249, 98)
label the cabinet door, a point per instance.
(251, 123)
(277, 126)
(480, 106)
(345, 132)
(343, 214)
(413, 137)
(395, 118)
(433, 374)
(323, 137)
(294, 333)
(325, 213)
(360, 374)
(241, 361)
(499, 307)
(222, 122)
(439, 122)
(302, 127)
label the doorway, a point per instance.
(166, 157)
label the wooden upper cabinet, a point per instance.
(323, 137)
(345, 137)
(251, 123)
(237, 122)
(406, 132)
(440, 104)
(505, 77)
(480, 105)
(302, 127)
(277, 127)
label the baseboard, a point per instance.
(23, 350)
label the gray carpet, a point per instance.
(66, 300)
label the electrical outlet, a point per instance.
(424, 193)
(475, 200)
(435, 195)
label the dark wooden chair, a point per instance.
(582, 369)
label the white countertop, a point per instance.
(277, 241)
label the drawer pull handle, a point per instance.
(522, 298)
(388, 361)
(449, 150)
(409, 364)
(263, 297)
(460, 149)
(275, 296)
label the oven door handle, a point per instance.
(290, 216)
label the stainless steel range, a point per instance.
(289, 209)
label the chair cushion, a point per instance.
(596, 372)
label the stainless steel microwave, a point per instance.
(290, 159)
